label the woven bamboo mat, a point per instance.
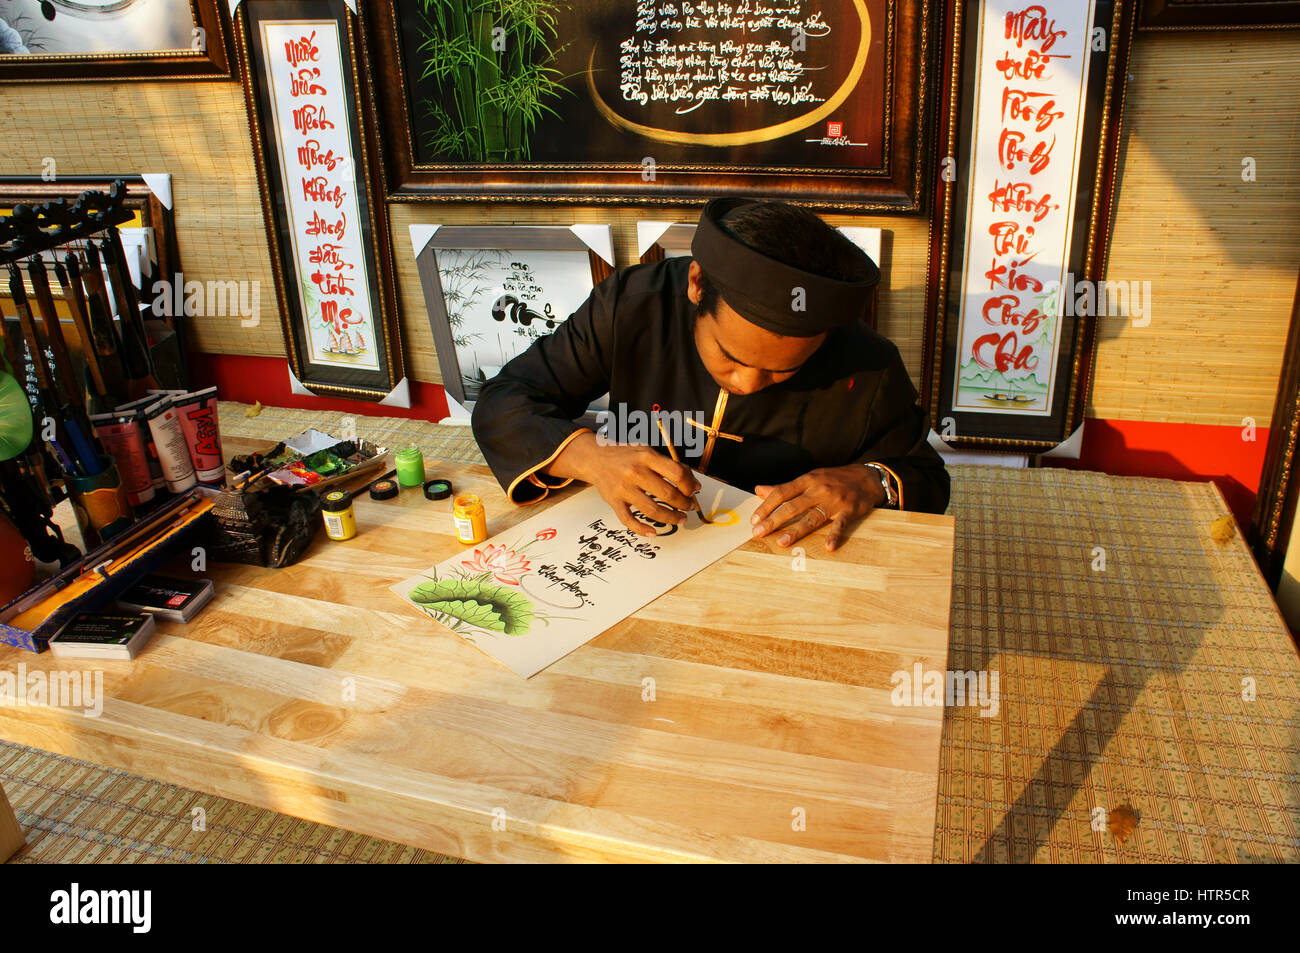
(1161, 682)
(1121, 689)
(437, 441)
(78, 813)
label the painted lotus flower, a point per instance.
(505, 565)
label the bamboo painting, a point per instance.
(491, 59)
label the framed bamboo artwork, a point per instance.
(491, 290)
(819, 106)
(1029, 134)
(326, 220)
(82, 40)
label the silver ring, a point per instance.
(822, 512)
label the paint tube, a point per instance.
(198, 415)
(137, 406)
(173, 454)
(120, 435)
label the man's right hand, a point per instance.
(627, 476)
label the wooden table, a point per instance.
(743, 716)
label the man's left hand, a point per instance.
(832, 495)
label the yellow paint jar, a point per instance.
(340, 517)
(471, 518)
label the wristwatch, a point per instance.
(887, 481)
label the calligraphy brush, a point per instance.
(128, 305)
(65, 378)
(63, 445)
(134, 352)
(100, 318)
(65, 375)
(672, 452)
(102, 398)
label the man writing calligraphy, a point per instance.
(758, 338)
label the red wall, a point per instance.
(1177, 452)
(250, 379)
(1123, 447)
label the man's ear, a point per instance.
(694, 290)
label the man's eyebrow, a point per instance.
(735, 360)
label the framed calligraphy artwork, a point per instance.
(1020, 224)
(43, 40)
(326, 221)
(820, 103)
(491, 290)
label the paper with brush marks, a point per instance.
(531, 595)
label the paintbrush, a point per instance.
(70, 451)
(134, 352)
(672, 452)
(65, 375)
(107, 344)
(128, 305)
(103, 397)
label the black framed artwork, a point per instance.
(326, 220)
(675, 101)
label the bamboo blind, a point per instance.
(1221, 254)
(197, 132)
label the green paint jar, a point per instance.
(410, 466)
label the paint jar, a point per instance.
(100, 504)
(340, 517)
(410, 466)
(471, 518)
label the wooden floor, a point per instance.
(745, 715)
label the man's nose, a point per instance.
(747, 381)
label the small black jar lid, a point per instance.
(383, 490)
(437, 489)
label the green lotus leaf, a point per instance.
(511, 610)
(479, 614)
(15, 417)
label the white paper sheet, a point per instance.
(531, 595)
